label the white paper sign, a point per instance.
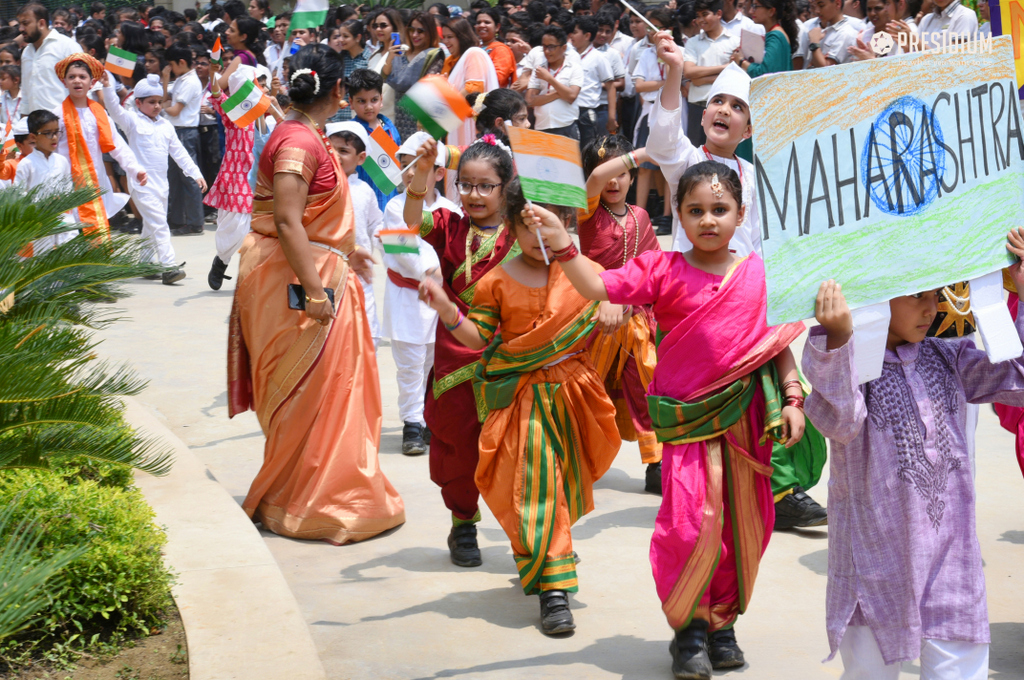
(993, 318)
(870, 330)
(752, 46)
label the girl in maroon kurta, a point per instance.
(468, 247)
(612, 233)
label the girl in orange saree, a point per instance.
(310, 376)
(715, 403)
(549, 432)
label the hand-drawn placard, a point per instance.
(1008, 19)
(891, 176)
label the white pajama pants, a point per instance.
(413, 362)
(232, 228)
(151, 202)
(940, 659)
(371, 311)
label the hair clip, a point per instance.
(479, 105)
(307, 71)
(716, 186)
(601, 151)
(489, 139)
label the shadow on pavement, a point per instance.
(1013, 537)
(618, 480)
(505, 607)
(639, 517)
(625, 656)
(816, 561)
(497, 560)
(1006, 653)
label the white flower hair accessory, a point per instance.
(307, 71)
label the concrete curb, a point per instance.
(241, 618)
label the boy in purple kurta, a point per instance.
(905, 573)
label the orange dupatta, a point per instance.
(83, 171)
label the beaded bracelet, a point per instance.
(565, 254)
(415, 195)
(459, 318)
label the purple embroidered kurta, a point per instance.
(903, 553)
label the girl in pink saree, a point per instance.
(724, 388)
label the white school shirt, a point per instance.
(10, 108)
(152, 141)
(618, 68)
(741, 22)
(40, 86)
(187, 89)
(648, 69)
(368, 219)
(674, 154)
(704, 51)
(956, 21)
(559, 113)
(596, 72)
(122, 153)
(835, 44)
(535, 57)
(405, 317)
(621, 43)
(36, 169)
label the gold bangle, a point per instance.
(314, 301)
(415, 195)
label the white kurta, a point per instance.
(121, 153)
(35, 170)
(368, 221)
(406, 318)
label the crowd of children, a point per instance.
(547, 355)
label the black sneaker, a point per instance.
(723, 650)
(799, 510)
(462, 545)
(689, 649)
(412, 440)
(652, 478)
(216, 276)
(426, 435)
(663, 223)
(173, 276)
(186, 231)
(134, 226)
(555, 616)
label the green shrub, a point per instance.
(118, 589)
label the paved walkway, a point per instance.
(395, 606)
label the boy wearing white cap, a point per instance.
(152, 138)
(409, 323)
(350, 140)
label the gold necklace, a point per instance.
(319, 131)
(485, 235)
(625, 232)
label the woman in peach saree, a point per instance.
(310, 376)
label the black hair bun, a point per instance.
(302, 88)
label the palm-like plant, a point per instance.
(56, 399)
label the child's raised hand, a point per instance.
(832, 312)
(547, 225)
(427, 156)
(793, 425)
(668, 51)
(1015, 244)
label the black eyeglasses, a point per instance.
(548, 48)
(466, 188)
(55, 134)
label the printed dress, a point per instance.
(231, 191)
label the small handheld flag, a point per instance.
(120, 62)
(398, 241)
(216, 52)
(309, 14)
(550, 169)
(381, 162)
(436, 105)
(247, 104)
(8, 138)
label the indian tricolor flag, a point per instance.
(216, 52)
(247, 104)
(398, 241)
(549, 166)
(120, 62)
(381, 162)
(309, 14)
(436, 105)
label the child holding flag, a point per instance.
(550, 428)
(153, 139)
(468, 246)
(88, 133)
(231, 193)
(350, 140)
(410, 324)
(365, 97)
(43, 166)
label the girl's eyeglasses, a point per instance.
(465, 188)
